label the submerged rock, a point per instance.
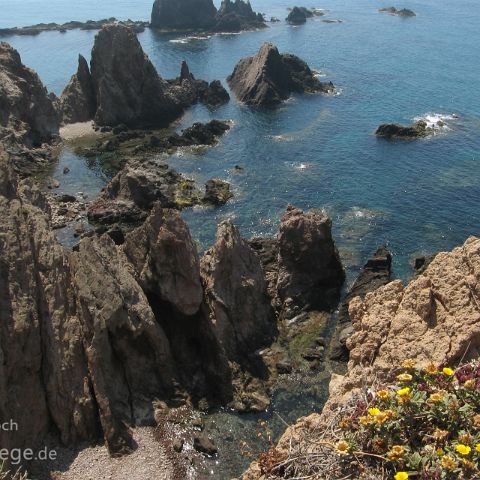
(27, 114)
(269, 77)
(236, 293)
(391, 130)
(78, 101)
(310, 274)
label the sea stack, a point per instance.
(269, 77)
(183, 14)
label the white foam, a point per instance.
(437, 121)
(185, 40)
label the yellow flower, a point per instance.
(366, 420)
(431, 369)
(477, 447)
(401, 476)
(404, 392)
(470, 384)
(448, 463)
(382, 417)
(404, 377)
(383, 394)
(408, 363)
(342, 447)
(373, 411)
(463, 449)
(396, 452)
(435, 397)
(448, 371)
(440, 452)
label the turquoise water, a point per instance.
(315, 151)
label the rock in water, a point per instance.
(183, 14)
(269, 77)
(236, 16)
(217, 192)
(27, 113)
(78, 101)
(391, 130)
(236, 294)
(165, 257)
(310, 274)
(128, 88)
(297, 16)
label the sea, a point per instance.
(314, 151)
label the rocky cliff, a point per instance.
(436, 318)
(27, 113)
(268, 78)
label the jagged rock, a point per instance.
(183, 14)
(201, 133)
(215, 94)
(236, 294)
(43, 372)
(269, 78)
(128, 88)
(128, 353)
(436, 318)
(202, 444)
(310, 274)
(236, 16)
(298, 15)
(27, 113)
(78, 100)
(136, 188)
(217, 192)
(165, 257)
(391, 130)
(376, 273)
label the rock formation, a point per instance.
(297, 16)
(183, 14)
(391, 130)
(269, 77)
(201, 15)
(27, 113)
(128, 88)
(217, 192)
(376, 273)
(236, 294)
(405, 12)
(310, 274)
(436, 318)
(78, 101)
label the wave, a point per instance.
(437, 121)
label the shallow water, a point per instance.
(317, 151)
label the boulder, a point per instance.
(132, 193)
(392, 130)
(27, 113)
(183, 14)
(165, 258)
(78, 101)
(236, 294)
(376, 273)
(128, 88)
(298, 15)
(217, 192)
(202, 444)
(269, 78)
(310, 274)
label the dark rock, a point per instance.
(420, 264)
(78, 101)
(376, 273)
(269, 78)
(217, 192)
(204, 134)
(128, 88)
(117, 235)
(203, 444)
(267, 250)
(215, 94)
(310, 274)
(297, 16)
(236, 294)
(234, 16)
(27, 113)
(66, 171)
(284, 367)
(405, 12)
(417, 130)
(66, 198)
(183, 14)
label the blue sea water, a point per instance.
(318, 151)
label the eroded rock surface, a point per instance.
(27, 112)
(268, 78)
(392, 130)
